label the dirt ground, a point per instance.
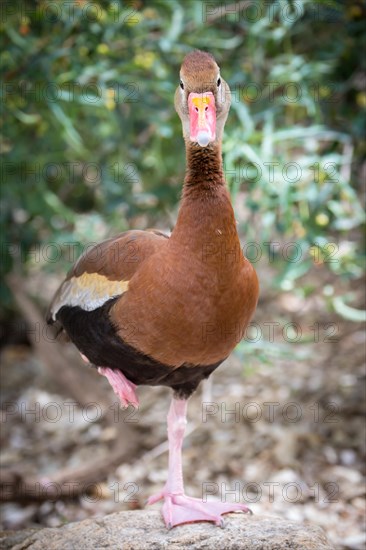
(280, 425)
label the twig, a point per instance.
(67, 484)
(222, 10)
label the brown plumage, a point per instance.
(197, 283)
(169, 310)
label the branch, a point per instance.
(61, 363)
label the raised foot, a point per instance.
(121, 386)
(179, 509)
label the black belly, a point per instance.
(95, 336)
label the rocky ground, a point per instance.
(279, 425)
(144, 530)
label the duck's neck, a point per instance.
(205, 213)
(204, 172)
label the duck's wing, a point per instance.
(103, 272)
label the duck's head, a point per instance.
(202, 99)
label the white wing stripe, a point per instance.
(89, 291)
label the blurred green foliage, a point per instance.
(92, 144)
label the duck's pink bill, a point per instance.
(202, 118)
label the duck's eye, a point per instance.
(218, 82)
(181, 85)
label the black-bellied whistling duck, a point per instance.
(150, 309)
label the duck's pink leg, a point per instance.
(177, 507)
(121, 386)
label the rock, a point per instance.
(140, 530)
